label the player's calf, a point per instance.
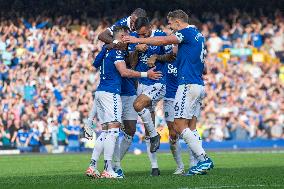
(140, 105)
(109, 145)
(175, 149)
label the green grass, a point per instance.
(232, 170)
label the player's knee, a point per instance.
(178, 127)
(114, 132)
(138, 106)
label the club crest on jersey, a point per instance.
(144, 58)
(166, 114)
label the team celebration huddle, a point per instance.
(138, 68)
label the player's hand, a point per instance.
(130, 39)
(151, 74)
(141, 47)
(151, 61)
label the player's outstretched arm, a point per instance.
(125, 72)
(156, 41)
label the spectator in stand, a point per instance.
(5, 136)
(73, 131)
(34, 138)
(246, 37)
(54, 134)
(268, 48)
(276, 130)
(226, 41)
(214, 43)
(61, 136)
(256, 37)
(22, 139)
(45, 140)
(278, 42)
(139, 134)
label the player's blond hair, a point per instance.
(178, 14)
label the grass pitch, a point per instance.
(232, 170)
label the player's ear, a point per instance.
(177, 22)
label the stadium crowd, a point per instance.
(46, 83)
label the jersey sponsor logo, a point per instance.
(172, 69)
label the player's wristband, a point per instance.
(115, 41)
(144, 74)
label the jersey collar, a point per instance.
(152, 33)
(191, 26)
(128, 22)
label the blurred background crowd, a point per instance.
(46, 86)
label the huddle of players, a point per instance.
(150, 57)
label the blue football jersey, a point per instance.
(110, 78)
(256, 40)
(190, 56)
(23, 136)
(171, 80)
(122, 22)
(128, 87)
(127, 84)
(75, 128)
(144, 56)
(35, 134)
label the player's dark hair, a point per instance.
(139, 12)
(118, 29)
(141, 22)
(178, 14)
